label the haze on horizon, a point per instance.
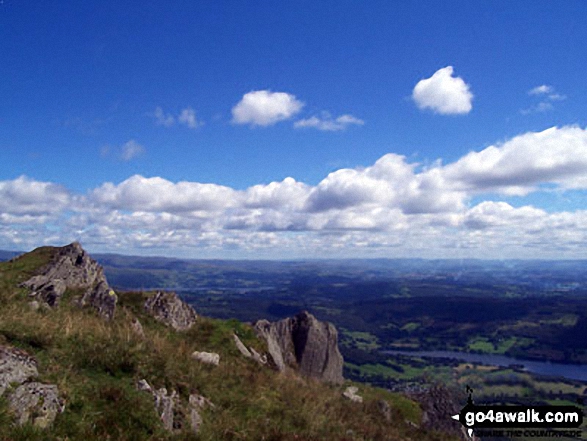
(261, 130)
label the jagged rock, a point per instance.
(197, 402)
(249, 352)
(306, 344)
(102, 298)
(169, 407)
(16, 367)
(439, 404)
(207, 357)
(31, 402)
(36, 403)
(241, 347)
(169, 309)
(261, 359)
(165, 404)
(72, 268)
(278, 336)
(351, 394)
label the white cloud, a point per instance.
(162, 118)
(188, 117)
(392, 206)
(547, 95)
(555, 156)
(541, 90)
(265, 108)
(25, 196)
(326, 123)
(287, 193)
(443, 93)
(138, 193)
(131, 150)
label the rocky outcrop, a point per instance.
(30, 401)
(305, 344)
(169, 309)
(72, 268)
(172, 412)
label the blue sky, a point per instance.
(266, 129)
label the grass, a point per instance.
(96, 365)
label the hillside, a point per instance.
(123, 366)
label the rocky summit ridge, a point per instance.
(72, 268)
(81, 361)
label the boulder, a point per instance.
(207, 357)
(29, 401)
(305, 344)
(169, 309)
(16, 366)
(36, 403)
(72, 268)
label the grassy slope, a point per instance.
(96, 365)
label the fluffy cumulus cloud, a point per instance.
(327, 123)
(265, 108)
(553, 156)
(443, 93)
(393, 207)
(138, 193)
(24, 196)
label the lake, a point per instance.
(570, 371)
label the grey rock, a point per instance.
(261, 359)
(249, 352)
(16, 366)
(101, 298)
(351, 394)
(278, 336)
(166, 404)
(72, 268)
(206, 357)
(169, 309)
(36, 403)
(137, 327)
(31, 402)
(385, 410)
(196, 403)
(305, 344)
(171, 411)
(439, 404)
(241, 347)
